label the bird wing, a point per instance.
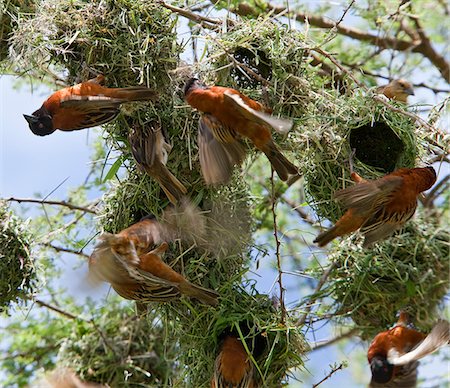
(438, 337)
(219, 150)
(282, 126)
(366, 196)
(87, 111)
(143, 146)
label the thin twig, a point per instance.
(68, 250)
(304, 215)
(56, 309)
(333, 371)
(75, 317)
(210, 23)
(319, 286)
(56, 203)
(345, 13)
(338, 338)
(278, 255)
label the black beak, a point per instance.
(31, 119)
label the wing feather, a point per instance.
(280, 125)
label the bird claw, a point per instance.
(350, 160)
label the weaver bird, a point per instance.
(150, 150)
(228, 116)
(398, 90)
(393, 354)
(381, 206)
(233, 368)
(137, 273)
(84, 105)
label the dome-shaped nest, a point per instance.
(274, 348)
(130, 43)
(408, 271)
(383, 141)
(135, 355)
(17, 270)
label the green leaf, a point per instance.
(114, 168)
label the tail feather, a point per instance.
(134, 93)
(279, 162)
(324, 238)
(171, 186)
(204, 295)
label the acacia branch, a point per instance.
(422, 46)
(67, 250)
(49, 202)
(333, 371)
(338, 338)
(56, 309)
(188, 14)
(278, 255)
(303, 214)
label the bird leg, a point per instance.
(354, 175)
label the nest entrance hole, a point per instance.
(257, 61)
(377, 145)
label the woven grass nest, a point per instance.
(17, 270)
(274, 348)
(328, 124)
(134, 355)
(407, 271)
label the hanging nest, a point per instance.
(132, 356)
(274, 348)
(130, 42)
(17, 269)
(383, 141)
(10, 12)
(407, 271)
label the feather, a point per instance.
(438, 337)
(282, 126)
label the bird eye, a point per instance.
(41, 125)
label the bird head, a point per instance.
(402, 89)
(382, 371)
(40, 122)
(191, 84)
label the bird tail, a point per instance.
(204, 295)
(324, 238)
(133, 93)
(171, 186)
(279, 162)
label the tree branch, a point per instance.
(68, 250)
(278, 255)
(48, 202)
(338, 338)
(333, 371)
(422, 46)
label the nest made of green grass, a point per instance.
(249, 315)
(17, 269)
(129, 41)
(130, 356)
(324, 144)
(408, 271)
